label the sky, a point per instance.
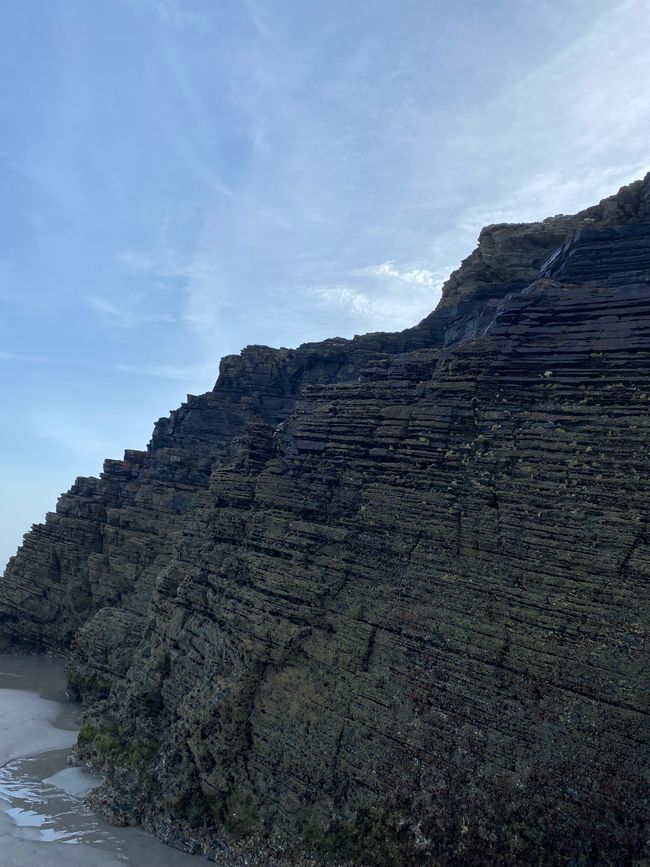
(181, 178)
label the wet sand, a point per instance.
(26, 725)
(43, 821)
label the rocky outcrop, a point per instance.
(384, 600)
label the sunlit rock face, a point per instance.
(384, 599)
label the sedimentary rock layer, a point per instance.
(384, 600)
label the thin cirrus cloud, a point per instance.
(124, 315)
(13, 358)
(177, 373)
(172, 12)
(180, 374)
(70, 434)
(181, 178)
(569, 131)
(163, 264)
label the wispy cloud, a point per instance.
(568, 133)
(19, 356)
(70, 434)
(258, 18)
(193, 373)
(172, 12)
(137, 262)
(165, 263)
(409, 277)
(372, 161)
(196, 373)
(281, 172)
(386, 295)
(350, 299)
(124, 316)
(54, 360)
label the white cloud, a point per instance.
(413, 276)
(387, 296)
(343, 296)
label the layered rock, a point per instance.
(384, 600)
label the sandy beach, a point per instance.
(30, 724)
(43, 822)
(26, 725)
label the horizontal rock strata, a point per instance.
(384, 601)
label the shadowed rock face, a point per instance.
(384, 599)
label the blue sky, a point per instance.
(179, 178)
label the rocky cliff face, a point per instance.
(384, 601)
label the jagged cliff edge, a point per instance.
(383, 598)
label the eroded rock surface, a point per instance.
(384, 600)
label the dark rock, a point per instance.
(383, 598)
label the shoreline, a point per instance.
(33, 721)
(28, 726)
(43, 819)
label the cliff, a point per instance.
(383, 600)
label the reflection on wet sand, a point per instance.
(43, 820)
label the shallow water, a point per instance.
(43, 820)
